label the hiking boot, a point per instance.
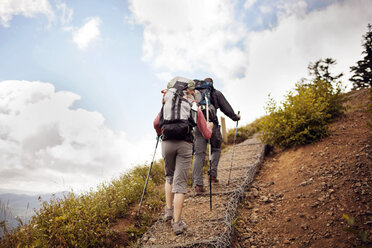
(199, 189)
(213, 179)
(178, 227)
(168, 214)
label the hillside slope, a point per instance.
(300, 195)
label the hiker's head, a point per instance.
(208, 80)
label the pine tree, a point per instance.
(362, 77)
(320, 71)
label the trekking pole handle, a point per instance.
(236, 126)
(236, 129)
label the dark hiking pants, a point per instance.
(200, 147)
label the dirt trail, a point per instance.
(207, 228)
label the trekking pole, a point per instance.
(148, 174)
(232, 156)
(209, 157)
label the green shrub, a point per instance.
(361, 235)
(304, 114)
(244, 132)
(84, 220)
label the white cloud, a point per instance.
(191, 33)
(164, 76)
(66, 15)
(46, 145)
(87, 33)
(266, 9)
(209, 36)
(293, 7)
(249, 3)
(27, 8)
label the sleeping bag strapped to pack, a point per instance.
(203, 95)
(178, 117)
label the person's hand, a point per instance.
(210, 125)
(239, 117)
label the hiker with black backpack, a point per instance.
(216, 101)
(175, 122)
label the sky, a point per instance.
(81, 81)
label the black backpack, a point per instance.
(178, 117)
(203, 95)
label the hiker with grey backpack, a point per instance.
(175, 122)
(215, 100)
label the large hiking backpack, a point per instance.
(177, 117)
(203, 95)
(205, 88)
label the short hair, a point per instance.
(208, 80)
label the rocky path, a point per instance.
(206, 228)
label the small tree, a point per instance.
(320, 71)
(362, 77)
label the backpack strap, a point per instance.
(164, 92)
(179, 107)
(178, 95)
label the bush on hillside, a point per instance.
(304, 114)
(244, 132)
(83, 221)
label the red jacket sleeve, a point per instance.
(156, 124)
(202, 125)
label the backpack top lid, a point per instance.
(203, 90)
(190, 83)
(202, 84)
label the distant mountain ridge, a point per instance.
(21, 207)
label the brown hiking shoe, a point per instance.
(178, 227)
(168, 214)
(199, 189)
